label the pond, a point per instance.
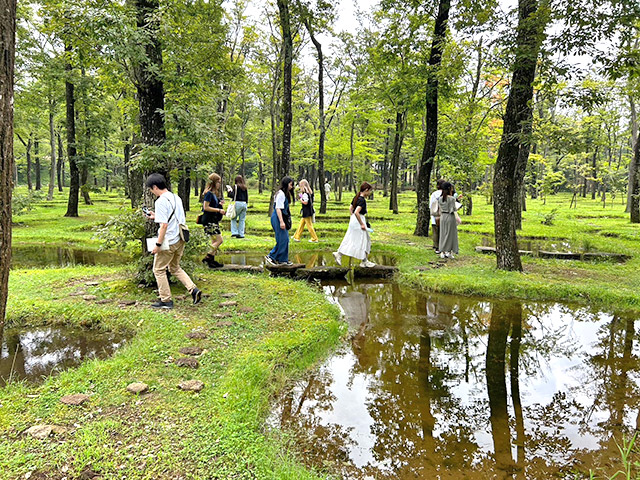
(434, 386)
(35, 353)
(45, 256)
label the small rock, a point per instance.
(89, 474)
(89, 298)
(58, 430)
(126, 303)
(75, 400)
(196, 335)
(39, 431)
(190, 350)
(91, 284)
(228, 295)
(224, 324)
(187, 362)
(191, 385)
(231, 303)
(180, 297)
(104, 300)
(246, 309)
(78, 293)
(222, 315)
(137, 387)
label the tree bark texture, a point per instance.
(395, 159)
(511, 162)
(287, 112)
(431, 137)
(52, 170)
(60, 163)
(635, 195)
(7, 46)
(36, 154)
(632, 163)
(72, 152)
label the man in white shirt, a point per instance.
(169, 213)
(435, 215)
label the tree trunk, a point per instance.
(52, 138)
(36, 153)
(518, 115)
(74, 172)
(385, 163)
(594, 174)
(431, 137)
(84, 188)
(352, 181)
(7, 46)
(635, 193)
(184, 187)
(287, 117)
(632, 164)
(395, 159)
(60, 163)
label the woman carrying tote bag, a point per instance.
(240, 197)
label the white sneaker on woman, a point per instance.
(338, 257)
(367, 264)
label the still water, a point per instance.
(42, 256)
(435, 386)
(35, 353)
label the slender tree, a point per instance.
(7, 47)
(431, 137)
(74, 171)
(287, 112)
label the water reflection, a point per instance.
(36, 353)
(41, 256)
(422, 389)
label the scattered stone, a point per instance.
(137, 387)
(89, 298)
(191, 385)
(180, 297)
(246, 309)
(58, 430)
(231, 303)
(92, 284)
(190, 351)
(222, 315)
(229, 295)
(224, 324)
(89, 474)
(78, 293)
(187, 362)
(75, 400)
(126, 303)
(40, 431)
(104, 301)
(196, 335)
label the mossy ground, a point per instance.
(219, 433)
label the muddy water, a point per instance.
(434, 386)
(41, 256)
(35, 353)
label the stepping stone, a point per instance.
(89, 298)
(78, 293)
(137, 387)
(224, 324)
(126, 303)
(191, 385)
(241, 268)
(91, 284)
(74, 400)
(322, 273)
(222, 315)
(104, 301)
(379, 271)
(246, 309)
(180, 297)
(39, 431)
(230, 303)
(190, 351)
(187, 362)
(229, 295)
(196, 335)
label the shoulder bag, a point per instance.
(231, 209)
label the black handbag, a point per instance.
(287, 221)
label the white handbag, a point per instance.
(231, 209)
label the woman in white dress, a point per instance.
(357, 242)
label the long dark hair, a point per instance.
(363, 188)
(447, 189)
(284, 186)
(239, 181)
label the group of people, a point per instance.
(172, 234)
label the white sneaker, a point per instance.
(295, 239)
(442, 255)
(367, 264)
(338, 257)
(313, 241)
(451, 255)
(269, 261)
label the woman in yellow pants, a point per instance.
(306, 198)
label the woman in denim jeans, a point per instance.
(239, 192)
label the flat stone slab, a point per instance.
(617, 257)
(78, 293)
(560, 255)
(224, 324)
(193, 351)
(322, 273)
(127, 303)
(74, 400)
(104, 301)
(92, 284)
(89, 298)
(379, 271)
(191, 385)
(246, 309)
(39, 431)
(187, 362)
(196, 335)
(229, 295)
(488, 250)
(137, 387)
(241, 268)
(587, 256)
(222, 315)
(284, 270)
(230, 303)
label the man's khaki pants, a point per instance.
(171, 259)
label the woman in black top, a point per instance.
(212, 213)
(241, 196)
(357, 242)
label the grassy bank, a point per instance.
(278, 328)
